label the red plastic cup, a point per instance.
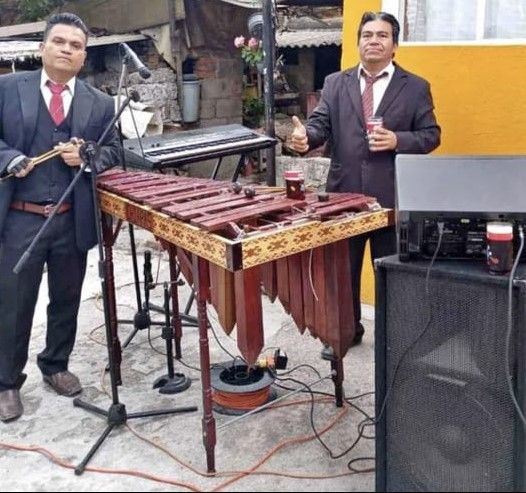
(499, 254)
(295, 184)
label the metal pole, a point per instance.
(268, 84)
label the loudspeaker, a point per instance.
(449, 423)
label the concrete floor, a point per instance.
(169, 448)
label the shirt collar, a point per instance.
(70, 84)
(389, 70)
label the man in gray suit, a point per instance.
(365, 163)
(40, 111)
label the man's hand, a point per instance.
(20, 166)
(298, 138)
(69, 151)
(382, 140)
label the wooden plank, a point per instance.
(248, 212)
(163, 189)
(223, 296)
(116, 185)
(357, 205)
(308, 295)
(269, 280)
(339, 309)
(218, 205)
(296, 291)
(316, 208)
(249, 314)
(185, 265)
(282, 275)
(197, 192)
(320, 300)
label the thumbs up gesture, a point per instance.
(298, 138)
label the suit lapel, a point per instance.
(353, 88)
(81, 107)
(29, 91)
(397, 83)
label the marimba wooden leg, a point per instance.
(337, 378)
(201, 284)
(176, 317)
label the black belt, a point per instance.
(43, 210)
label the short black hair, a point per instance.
(380, 16)
(69, 20)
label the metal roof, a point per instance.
(22, 50)
(306, 38)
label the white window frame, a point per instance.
(395, 7)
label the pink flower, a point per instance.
(239, 41)
(253, 43)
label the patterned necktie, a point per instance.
(367, 95)
(56, 106)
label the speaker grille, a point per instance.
(450, 422)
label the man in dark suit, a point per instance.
(365, 163)
(40, 111)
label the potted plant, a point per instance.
(253, 111)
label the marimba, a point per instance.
(231, 241)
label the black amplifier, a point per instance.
(462, 193)
(462, 238)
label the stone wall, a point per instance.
(221, 88)
(315, 170)
(158, 92)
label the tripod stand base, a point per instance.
(172, 385)
(116, 415)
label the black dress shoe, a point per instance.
(64, 383)
(11, 407)
(327, 353)
(358, 335)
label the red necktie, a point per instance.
(56, 106)
(367, 95)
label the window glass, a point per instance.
(461, 20)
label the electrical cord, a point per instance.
(332, 455)
(509, 329)
(370, 422)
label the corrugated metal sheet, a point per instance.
(249, 4)
(18, 50)
(23, 50)
(306, 38)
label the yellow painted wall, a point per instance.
(479, 94)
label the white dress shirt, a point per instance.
(379, 86)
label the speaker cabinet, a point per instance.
(449, 423)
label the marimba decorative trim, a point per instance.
(250, 251)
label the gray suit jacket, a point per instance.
(91, 109)
(407, 110)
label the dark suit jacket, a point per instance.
(92, 111)
(407, 110)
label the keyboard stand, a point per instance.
(241, 147)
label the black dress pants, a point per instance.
(382, 243)
(66, 267)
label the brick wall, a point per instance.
(221, 88)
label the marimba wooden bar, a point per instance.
(229, 243)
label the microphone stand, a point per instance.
(116, 414)
(141, 320)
